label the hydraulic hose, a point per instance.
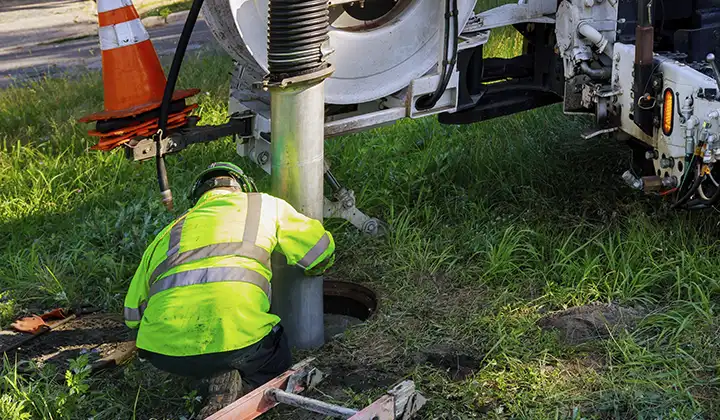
(693, 188)
(167, 98)
(429, 101)
(703, 204)
(598, 74)
(297, 30)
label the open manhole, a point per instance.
(346, 304)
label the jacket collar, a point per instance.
(214, 193)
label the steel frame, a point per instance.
(401, 402)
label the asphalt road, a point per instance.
(18, 64)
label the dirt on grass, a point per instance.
(96, 335)
(590, 322)
(456, 364)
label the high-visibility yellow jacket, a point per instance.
(203, 285)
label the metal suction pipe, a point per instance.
(594, 36)
(297, 31)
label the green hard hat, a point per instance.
(208, 179)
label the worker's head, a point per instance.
(221, 175)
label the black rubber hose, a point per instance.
(296, 31)
(167, 98)
(699, 204)
(693, 188)
(429, 101)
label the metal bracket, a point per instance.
(343, 207)
(145, 148)
(340, 209)
(400, 403)
(538, 11)
(305, 379)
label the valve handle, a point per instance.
(711, 60)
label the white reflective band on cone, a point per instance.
(122, 34)
(108, 5)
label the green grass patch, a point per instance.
(494, 224)
(164, 9)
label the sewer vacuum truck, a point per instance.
(645, 70)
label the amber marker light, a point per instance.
(668, 111)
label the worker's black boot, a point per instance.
(222, 389)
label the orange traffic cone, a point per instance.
(133, 78)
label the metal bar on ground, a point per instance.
(254, 404)
(309, 404)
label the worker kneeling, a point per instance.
(201, 295)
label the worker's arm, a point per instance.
(304, 241)
(136, 298)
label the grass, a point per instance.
(163, 8)
(494, 224)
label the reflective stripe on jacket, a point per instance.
(203, 285)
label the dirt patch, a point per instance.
(358, 379)
(456, 364)
(591, 322)
(97, 335)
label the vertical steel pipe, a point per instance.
(297, 150)
(296, 31)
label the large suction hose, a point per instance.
(296, 31)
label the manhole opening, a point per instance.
(346, 304)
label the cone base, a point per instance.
(138, 109)
(113, 139)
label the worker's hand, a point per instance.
(321, 267)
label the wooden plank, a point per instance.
(254, 404)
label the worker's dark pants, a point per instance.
(257, 364)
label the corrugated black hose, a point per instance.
(296, 31)
(167, 98)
